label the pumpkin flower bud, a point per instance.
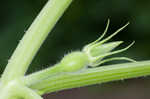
(97, 53)
(94, 53)
(98, 50)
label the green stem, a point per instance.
(43, 74)
(34, 37)
(91, 76)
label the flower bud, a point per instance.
(97, 52)
(99, 49)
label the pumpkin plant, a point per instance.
(76, 69)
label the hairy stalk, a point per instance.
(34, 37)
(11, 87)
(43, 74)
(90, 76)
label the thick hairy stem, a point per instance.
(33, 39)
(90, 76)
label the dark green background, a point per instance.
(82, 23)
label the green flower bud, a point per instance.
(98, 50)
(104, 48)
(97, 53)
(93, 54)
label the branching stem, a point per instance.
(14, 84)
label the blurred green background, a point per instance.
(83, 22)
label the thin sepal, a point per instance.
(114, 59)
